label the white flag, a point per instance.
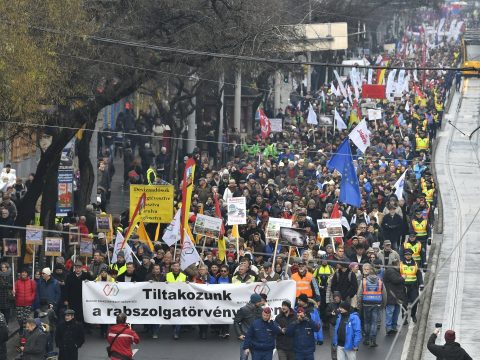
(118, 246)
(360, 136)
(390, 88)
(334, 90)
(312, 116)
(172, 232)
(340, 123)
(189, 254)
(370, 76)
(343, 91)
(399, 186)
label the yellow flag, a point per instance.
(222, 249)
(235, 233)
(143, 235)
(381, 77)
(79, 134)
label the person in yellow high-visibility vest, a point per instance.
(413, 279)
(151, 175)
(175, 275)
(416, 247)
(422, 142)
(420, 227)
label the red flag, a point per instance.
(264, 124)
(187, 188)
(335, 212)
(218, 213)
(373, 91)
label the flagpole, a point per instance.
(238, 249)
(275, 253)
(108, 252)
(288, 260)
(33, 262)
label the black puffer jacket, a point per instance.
(395, 285)
(245, 317)
(449, 351)
(285, 342)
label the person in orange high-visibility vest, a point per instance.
(306, 283)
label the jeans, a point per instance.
(343, 354)
(371, 315)
(391, 317)
(262, 355)
(285, 355)
(176, 330)
(242, 352)
(300, 356)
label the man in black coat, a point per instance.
(285, 343)
(450, 351)
(69, 337)
(73, 289)
(392, 226)
(345, 282)
(396, 296)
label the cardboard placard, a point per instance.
(208, 226)
(53, 246)
(11, 247)
(104, 223)
(34, 235)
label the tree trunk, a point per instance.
(87, 173)
(50, 195)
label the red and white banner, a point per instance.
(360, 136)
(373, 91)
(265, 127)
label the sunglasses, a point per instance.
(223, 271)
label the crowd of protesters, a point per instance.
(344, 286)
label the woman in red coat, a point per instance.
(25, 292)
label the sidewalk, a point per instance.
(119, 198)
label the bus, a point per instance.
(471, 52)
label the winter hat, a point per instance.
(300, 310)
(47, 271)
(303, 297)
(255, 298)
(449, 336)
(267, 310)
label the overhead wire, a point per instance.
(246, 58)
(160, 137)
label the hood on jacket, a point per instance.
(372, 279)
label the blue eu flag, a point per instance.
(342, 161)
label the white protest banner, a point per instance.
(172, 232)
(118, 247)
(208, 226)
(274, 225)
(237, 211)
(399, 185)
(276, 125)
(189, 254)
(360, 136)
(312, 116)
(374, 114)
(390, 84)
(177, 303)
(330, 227)
(339, 121)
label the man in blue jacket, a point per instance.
(260, 338)
(303, 332)
(348, 333)
(48, 288)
